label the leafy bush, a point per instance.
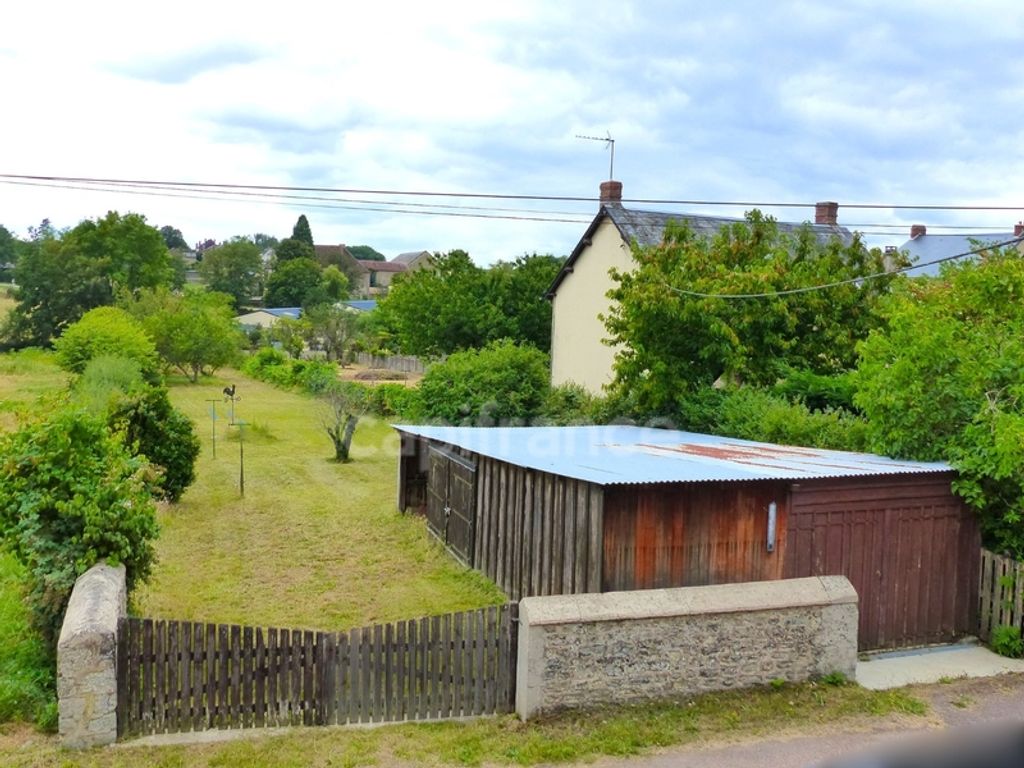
(71, 495)
(314, 376)
(755, 414)
(105, 331)
(1006, 641)
(568, 404)
(390, 400)
(498, 383)
(27, 685)
(161, 433)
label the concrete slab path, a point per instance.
(932, 665)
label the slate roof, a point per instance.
(625, 455)
(927, 248)
(363, 305)
(409, 257)
(648, 228)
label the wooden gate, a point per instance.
(451, 502)
(909, 549)
(176, 676)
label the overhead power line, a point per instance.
(837, 283)
(496, 196)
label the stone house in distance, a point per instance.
(578, 293)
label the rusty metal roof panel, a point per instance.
(621, 455)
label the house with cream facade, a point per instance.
(578, 294)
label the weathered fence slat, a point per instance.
(176, 676)
(1001, 594)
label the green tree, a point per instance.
(173, 238)
(332, 329)
(678, 334)
(519, 291)
(61, 276)
(71, 495)
(194, 332)
(264, 241)
(291, 282)
(8, 251)
(302, 232)
(105, 331)
(366, 253)
(234, 268)
(342, 408)
(495, 384)
(942, 380)
(291, 249)
(441, 310)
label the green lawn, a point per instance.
(313, 543)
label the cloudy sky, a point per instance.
(859, 102)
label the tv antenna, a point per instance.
(609, 142)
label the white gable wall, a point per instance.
(577, 351)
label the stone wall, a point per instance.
(87, 658)
(586, 650)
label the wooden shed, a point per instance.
(562, 510)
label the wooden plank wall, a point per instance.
(1001, 594)
(906, 543)
(658, 536)
(537, 533)
(176, 676)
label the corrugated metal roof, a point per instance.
(621, 455)
(925, 248)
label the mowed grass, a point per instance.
(575, 737)
(313, 543)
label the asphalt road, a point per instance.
(964, 705)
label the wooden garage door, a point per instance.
(451, 501)
(907, 545)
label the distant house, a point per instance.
(380, 274)
(265, 318)
(927, 250)
(413, 260)
(579, 293)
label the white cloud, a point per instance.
(797, 101)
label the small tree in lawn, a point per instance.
(342, 408)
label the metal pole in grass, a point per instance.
(230, 396)
(241, 457)
(213, 419)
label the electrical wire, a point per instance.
(495, 196)
(173, 193)
(837, 283)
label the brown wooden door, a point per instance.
(907, 545)
(451, 502)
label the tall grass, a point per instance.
(26, 669)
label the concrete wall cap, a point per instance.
(96, 604)
(684, 601)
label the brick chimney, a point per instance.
(826, 213)
(916, 230)
(1018, 229)
(611, 193)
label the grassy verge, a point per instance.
(313, 543)
(26, 672)
(505, 741)
(24, 377)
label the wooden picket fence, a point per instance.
(1001, 593)
(176, 676)
(403, 363)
